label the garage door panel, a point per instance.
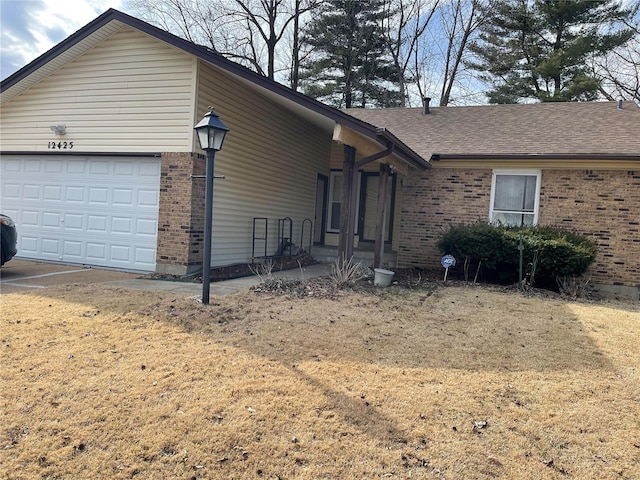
(72, 250)
(76, 167)
(148, 198)
(73, 221)
(97, 223)
(145, 226)
(32, 166)
(121, 225)
(124, 168)
(149, 169)
(99, 168)
(51, 246)
(74, 194)
(97, 252)
(11, 191)
(120, 253)
(30, 218)
(145, 256)
(102, 212)
(52, 193)
(31, 192)
(11, 166)
(98, 195)
(53, 166)
(51, 220)
(29, 246)
(122, 196)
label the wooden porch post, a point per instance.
(345, 242)
(382, 216)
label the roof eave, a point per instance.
(534, 156)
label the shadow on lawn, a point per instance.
(457, 328)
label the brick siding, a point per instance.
(434, 200)
(181, 213)
(602, 203)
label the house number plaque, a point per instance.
(60, 145)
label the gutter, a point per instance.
(436, 157)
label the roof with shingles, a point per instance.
(562, 129)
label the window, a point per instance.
(335, 200)
(335, 193)
(515, 197)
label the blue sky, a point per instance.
(28, 28)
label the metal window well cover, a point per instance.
(382, 277)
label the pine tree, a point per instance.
(348, 65)
(538, 49)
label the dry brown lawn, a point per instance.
(463, 383)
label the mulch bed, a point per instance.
(238, 270)
(324, 287)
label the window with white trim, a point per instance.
(515, 197)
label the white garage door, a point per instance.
(91, 210)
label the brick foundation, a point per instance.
(602, 203)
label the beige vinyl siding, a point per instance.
(270, 160)
(60, 61)
(131, 93)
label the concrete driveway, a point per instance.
(23, 275)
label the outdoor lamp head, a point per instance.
(211, 131)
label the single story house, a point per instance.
(573, 165)
(100, 165)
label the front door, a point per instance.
(369, 207)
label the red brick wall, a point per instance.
(602, 203)
(181, 213)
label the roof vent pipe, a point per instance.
(619, 104)
(425, 105)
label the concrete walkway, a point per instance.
(225, 287)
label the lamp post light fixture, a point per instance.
(211, 132)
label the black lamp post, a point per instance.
(211, 132)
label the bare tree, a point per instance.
(248, 31)
(619, 73)
(405, 25)
(460, 20)
(270, 20)
(619, 70)
(176, 16)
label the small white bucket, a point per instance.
(382, 277)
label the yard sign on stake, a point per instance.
(447, 261)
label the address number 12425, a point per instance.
(60, 145)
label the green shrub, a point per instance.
(548, 252)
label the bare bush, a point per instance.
(572, 286)
(264, 270)
(345, 273)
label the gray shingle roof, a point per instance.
(577, 128)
